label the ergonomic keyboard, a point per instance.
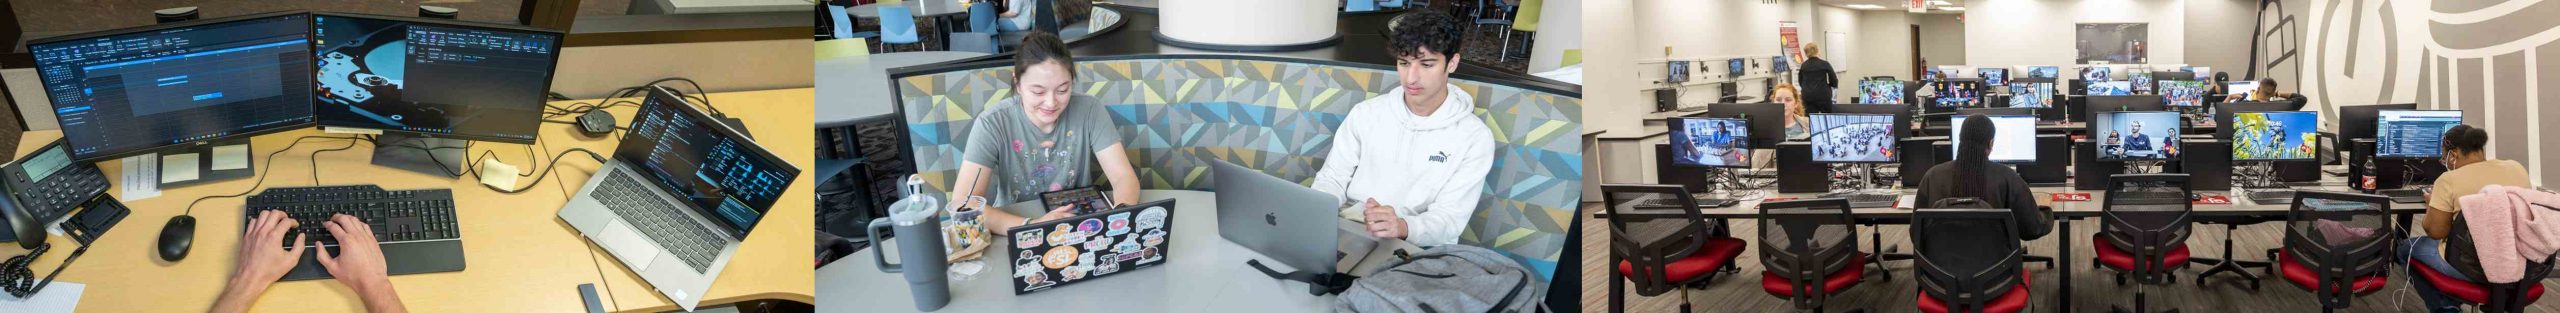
(75, 185)
(417, 228)
(2270, 196)
(1866, 200)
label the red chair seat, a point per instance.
(2307, 278)
(2113, 257)
(2013, 301)
(2465, 290)
(1714, 254)
(1842, 279)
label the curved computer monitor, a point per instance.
(1710, 142)
(1880, 92)
(2013, 139)
(2045, 72)
(132, 91)
(2035, 95)
(2135, 135)
(2182, 93)
(2274, 135)
(1854, 138)
(1994, 75)
(2413, 134)
(431, 77)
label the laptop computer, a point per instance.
(1282, 220)
(681, 191)
(1084, 247)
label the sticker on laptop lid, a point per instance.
(1151, 218)
(1119, 224)
(1026, 239)
(1059, 257)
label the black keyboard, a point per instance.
(417, 228)
(1866, 200)
(64, 190)
(2271, 196)
(662, 222)
(2405, 195)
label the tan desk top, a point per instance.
(520, 256)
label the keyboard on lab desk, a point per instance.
(417, 228)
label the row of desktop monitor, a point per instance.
(1999, 75)
(2118, 136)
(1678, 71)
(2036, 94)
(131, 91)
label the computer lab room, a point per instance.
(455, 156)
(2070, 156)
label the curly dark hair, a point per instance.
(1426, 29)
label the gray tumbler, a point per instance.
(919, 233)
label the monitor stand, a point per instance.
(203, 155)
(431, 156)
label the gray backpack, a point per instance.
(1448, 278)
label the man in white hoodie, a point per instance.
(1411, 163)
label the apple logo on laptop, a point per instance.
(1271, 218)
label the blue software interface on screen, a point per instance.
(721, 174)
(135, 91)
(2413, 133)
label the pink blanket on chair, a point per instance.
(2511, 226)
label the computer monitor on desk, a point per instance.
(2413, 134)
(2182, 93)
(1880, 92)
(424, 83)
(2135, 136)
(1994, 75)
(179, 88)
(2013, 139)
(2274, 135)
(1855, 138)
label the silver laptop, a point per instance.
(1282, 220)
(681, 191)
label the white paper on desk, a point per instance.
(177, 167)
(230, 157)
(141, 178)
(58, 297)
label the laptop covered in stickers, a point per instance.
(1085, 247)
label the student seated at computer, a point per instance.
(358, 263)
(1044, 139)
(2467, 168)
(1412, 162)
(1971, 175)
(2266, 92)
(1799, 125)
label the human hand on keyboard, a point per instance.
(359, 263)
(265, 263)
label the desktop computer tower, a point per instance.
(2389, 173)
(1918, 153)
(2051, 163)
(2087, 171)
(1666, 99)
(2208, 163)
(1667, 173)
(1798, 172)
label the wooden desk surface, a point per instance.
(520, 256)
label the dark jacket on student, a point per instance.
(2005, 189)
(1817, 81)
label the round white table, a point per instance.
(851, 89)
(1204, 273)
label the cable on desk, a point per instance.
(546, 170)
(269, 166)
(315, 159)
(16, 277)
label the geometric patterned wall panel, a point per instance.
(1178, 112)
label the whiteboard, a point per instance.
(1834, 43)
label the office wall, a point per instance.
(1942, 38)
(587, 72)
(2218, 34)
(1881, 47)
(1248, 23)
(1559, 29)
(1611, 87)
(2040, 32)
(1829, 19)
(2494, 61)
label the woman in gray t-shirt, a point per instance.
(1044, 139)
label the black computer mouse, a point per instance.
(176, 237)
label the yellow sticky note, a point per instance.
(497, 174)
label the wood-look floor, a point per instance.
(2094, 290)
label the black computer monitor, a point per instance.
(1995, 76)
(2013, 140)
(2182, 93)
(2239, 87)
(1710, 142)
(431, 77)
(1855, 138)
(2026, 94)
(2274, 135)
(2141, 81)
(1901, 114)
(2357, 121)
(1676, 72)
(1932, 73)
(2222, 114)
(2045, 72)
(1768, 120)
(2095, 73)
(2413, 134)
(1734, 67)
(2109, 88)
(132, 91)
(2135, 135)
(1778, 64)
(1959, 93)
(1880, 92)
(2173, 75)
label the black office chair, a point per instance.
(2336, 245)
(1661, 254)
(1970, 258)
(1808, 251)
(2143, 230)
(2478, 292)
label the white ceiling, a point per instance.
(1889, 5)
